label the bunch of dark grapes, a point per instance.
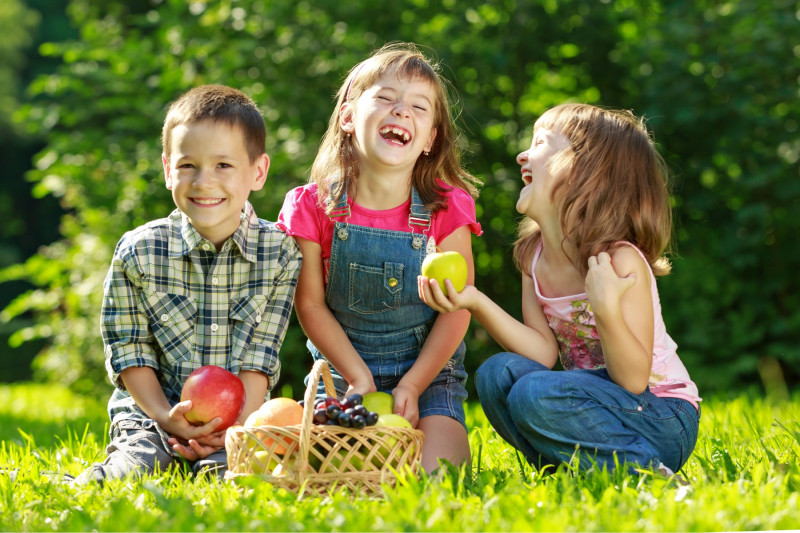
(348, 413)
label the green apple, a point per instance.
(261, 464)
(379, 402)
(392, 420)
(446, 265)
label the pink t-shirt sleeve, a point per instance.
(300, 216)
(460, 211)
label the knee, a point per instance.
(538, 395)
(489, 374)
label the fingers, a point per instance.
(599, 260)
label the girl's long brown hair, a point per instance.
(337, 160)
(613, 187)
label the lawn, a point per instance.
(744, 475)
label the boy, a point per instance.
(212, 284)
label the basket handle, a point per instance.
(320, 369)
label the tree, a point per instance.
(508, 61)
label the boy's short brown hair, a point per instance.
(218, 103)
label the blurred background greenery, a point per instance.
(84, 86)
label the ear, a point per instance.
(430, 141)
(346, 117)
(261, 169)
(167, 170)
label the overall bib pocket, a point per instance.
(373, 289)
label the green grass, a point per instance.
(744, 475)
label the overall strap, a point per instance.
(341, 209)
(420, 217)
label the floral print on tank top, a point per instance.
(578, 341)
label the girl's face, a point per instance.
(392, 122)
(537, 194)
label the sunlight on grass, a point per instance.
(744, 475)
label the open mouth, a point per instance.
(395, 135)
(527, 178)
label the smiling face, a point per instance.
(392, 123)
(211, 175)
(537, 172)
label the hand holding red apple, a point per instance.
(214, 392)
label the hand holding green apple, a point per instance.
(446, 265)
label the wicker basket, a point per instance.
(314, 459)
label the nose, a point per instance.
(522, 157)
(401, 109)
(202, 178)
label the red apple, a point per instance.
(214, 392)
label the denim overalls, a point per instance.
(372, 292)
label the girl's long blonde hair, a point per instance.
(613, 187)
(335, 169)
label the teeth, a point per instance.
(207, 202)
(397, 131)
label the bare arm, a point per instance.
(446, 334)
(256, 385)
(618, 287)
(531, 338)
(322, 327)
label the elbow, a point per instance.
(634, 386)
(636, 389)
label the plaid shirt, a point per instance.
(172, 303)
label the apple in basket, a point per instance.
(379, 402)
(389, 420)
(214, 392)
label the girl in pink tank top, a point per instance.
(597, 223)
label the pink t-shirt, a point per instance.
(572, 321)
(302, 216)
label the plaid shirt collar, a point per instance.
(243, 238)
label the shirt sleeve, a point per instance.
(127, 337)
(460, 211)
(300, 214)
(271, 331)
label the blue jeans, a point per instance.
(546, 414)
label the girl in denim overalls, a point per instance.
(386, 189)
(597, 222)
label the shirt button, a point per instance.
(205, 246)
(164, 317)
(392, 282)
(639, 408)
(258, 319)
(215, 280)
(214, 327)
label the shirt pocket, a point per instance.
(172, 318)
(373, 290)
(245, 314)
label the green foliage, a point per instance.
(724, 109)
(16, 23)
(744, 475)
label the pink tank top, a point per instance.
(572, 322)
